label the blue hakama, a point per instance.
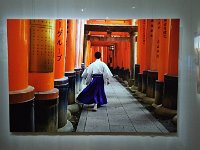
(94, 92)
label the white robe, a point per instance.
(97, 67)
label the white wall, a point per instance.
(189, 102)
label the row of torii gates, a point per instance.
(108, 40)
(154, 76)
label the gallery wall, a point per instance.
(188, 101)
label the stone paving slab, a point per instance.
(99, 113)
(97, 128)
(123, 113)
(97, 124)
(161, 127)
(113, 105)
(146, 126)
(138, 116)
(130, 107)
(119, 120)
(81, 124)
(116, 110)
(97, 120)
(122, 128)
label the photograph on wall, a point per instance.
(197, 60)
(93, 76)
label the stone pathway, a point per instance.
(123, 113)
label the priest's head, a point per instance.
(97, 55)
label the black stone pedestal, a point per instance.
(21, 108)
(78, 79)
(170, 92)
(140, 82)
(137, 70)
(126, 75)
(144, 81)
(158, 92)
(63, 86)
(71, 93)
(46, 111)
(152, 76)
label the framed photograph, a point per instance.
(94, 76)
(197, 59)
